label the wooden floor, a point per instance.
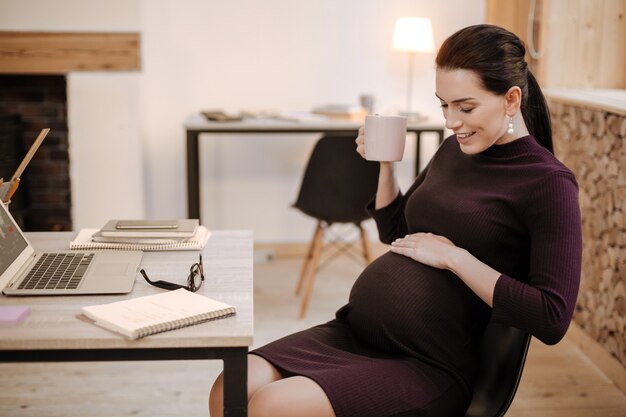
(558, 381)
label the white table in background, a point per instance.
(197, 124)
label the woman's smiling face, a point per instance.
(478, 117)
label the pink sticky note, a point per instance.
(13, 314)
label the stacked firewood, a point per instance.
(592, 143)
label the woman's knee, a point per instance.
(260, 373)
(294, 396)
(266, 402)
(216, 397)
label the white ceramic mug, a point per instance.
(385, 137)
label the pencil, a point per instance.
(29, 155)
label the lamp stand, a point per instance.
(409, 85)
(409, 113)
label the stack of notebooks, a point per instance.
(144, 235)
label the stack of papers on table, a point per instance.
(135, 235)
(344, 112)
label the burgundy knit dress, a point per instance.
(406, 343)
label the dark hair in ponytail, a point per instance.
(537, 115)
(497, 57)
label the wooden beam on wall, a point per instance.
(63, 52)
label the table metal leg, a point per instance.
(418, 135)
(193, 175)
(440, 134)
(418, 141)
(236, 382)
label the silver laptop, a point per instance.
(26, 272)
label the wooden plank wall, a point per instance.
(62, 52)
(513, 15)
(582, 42)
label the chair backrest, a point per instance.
(502, 357)
(337, 182)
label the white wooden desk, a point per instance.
(197, 124)
(52, 332)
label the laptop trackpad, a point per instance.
(102, 268)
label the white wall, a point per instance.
(105, 151)
(237, 54)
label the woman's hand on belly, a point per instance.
(439, 252)
(427, 248)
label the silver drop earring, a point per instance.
(510, 130)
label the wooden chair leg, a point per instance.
(309, 256)
(309, 278)
(367, 249)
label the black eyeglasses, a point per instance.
(194, 280)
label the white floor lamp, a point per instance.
(412, 35)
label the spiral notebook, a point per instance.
(88, 239)
(143, 316)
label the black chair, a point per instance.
(336, 186)
(502, 357)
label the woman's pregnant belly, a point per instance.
(400, 306)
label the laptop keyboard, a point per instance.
(57, 271)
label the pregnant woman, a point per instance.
(489, 230)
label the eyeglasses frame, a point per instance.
(196, 268)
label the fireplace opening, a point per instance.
(29, 103)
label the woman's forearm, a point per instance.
(481, 278)
(387, 185)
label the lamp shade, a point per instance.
(413, 34)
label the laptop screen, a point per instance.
(12, 243)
